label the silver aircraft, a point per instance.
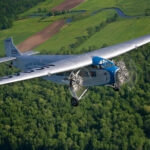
(78, 71)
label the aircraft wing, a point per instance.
(78, 61)
(30, 53)
(5, 59)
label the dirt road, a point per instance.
(68, 4)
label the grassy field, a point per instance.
(119, 31)
(130, 7)
(113, 33)
(72, 30)
(122, 30)
(22, 29)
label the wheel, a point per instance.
(74, 102)
(116, 89)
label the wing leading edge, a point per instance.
(78, 61)
(5, 59)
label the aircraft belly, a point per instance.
(56, 79)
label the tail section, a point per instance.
(11, 50)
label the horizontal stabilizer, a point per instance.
(5, 59)
(30, 53)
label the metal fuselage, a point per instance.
(97, 76)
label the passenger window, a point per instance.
(60, 74)
(93, 74)
(83, 74)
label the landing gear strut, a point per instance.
(116, 88)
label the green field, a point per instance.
(72, 30)
(122, 30)
(118, 32)
(22, 29)
(130, 7)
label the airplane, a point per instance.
(78, 71)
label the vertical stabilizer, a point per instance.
(11, 50)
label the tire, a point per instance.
(74, 102)
(116, 89)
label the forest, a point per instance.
(37, 114)
(11, 8)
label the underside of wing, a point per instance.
(53, 68)
(6, 59)
(78, 61)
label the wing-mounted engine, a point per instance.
(77, 89)
(121, 76)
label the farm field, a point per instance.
(22, 29)
(116, 32)
(68, 34)
(121, 31)
(72, 30)
(78, 28)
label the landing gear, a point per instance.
(76, 87)
(74, 101)
(116, 89)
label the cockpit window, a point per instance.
(105, 63)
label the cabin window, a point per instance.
(84, 74)
(95, 66)
(60, 74)
(93, 74)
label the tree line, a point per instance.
(11, 8)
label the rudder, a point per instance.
(11, 50)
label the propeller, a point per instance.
(76, 79)
(127, 74)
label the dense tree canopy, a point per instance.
(10, 8)
(37, 114)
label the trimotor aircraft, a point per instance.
(78, 71)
